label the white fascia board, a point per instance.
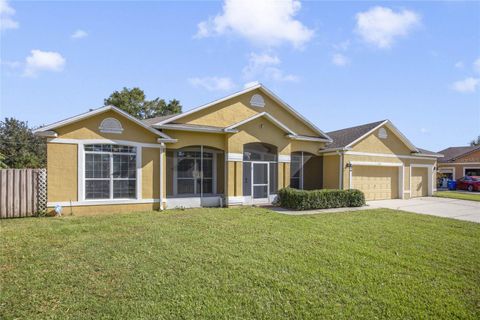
(258, 115)
(427, 155)
(334, 150)
(192, 129)
(98, 111)
(306, 138)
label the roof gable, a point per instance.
(453, 153)
(265, 115)
(92, 113)
(250, 110)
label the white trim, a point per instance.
(231, 156)
(160, 195)
(466, 168)
(307, 138)
(340, 171)
(238, 200)
(100, 202)
(440, 164)
(377, 164)
(390, 125)
(182, 127)
(258, 115)
(429, 176)
(98, 111)
(104, 141)
(264, 90)
(111, 125)
(386, 155)
(139, 172)
(193, 202)
(284, 158)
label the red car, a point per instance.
(470, 183)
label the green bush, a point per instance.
(319, 199)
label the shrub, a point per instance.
(320, 199)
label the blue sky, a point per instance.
(338, 63)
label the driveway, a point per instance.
(441, 207)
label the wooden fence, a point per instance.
(23, 192)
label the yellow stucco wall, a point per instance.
(62, 172)
(187, 138)
(331, 171)
(88, 129)
(150, 173)
(238, 108)
(102, 209)
(373, 144)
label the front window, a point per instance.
(297, 166)
(110, 171)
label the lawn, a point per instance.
(240, 263)
(473, 196)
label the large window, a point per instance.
(297, 169)
(110, 171)
(194, 172)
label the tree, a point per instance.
(475, 142)
(3, 165)
(133, 101)
(19, 146)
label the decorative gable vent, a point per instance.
(111, 125)
(257, 101)
(382, 133)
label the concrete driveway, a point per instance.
(441, 207)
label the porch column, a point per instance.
(234, 179)
(283, 170)
(163, 177)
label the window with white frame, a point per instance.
(110, 171)
(194, 172)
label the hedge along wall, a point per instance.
(320, 199)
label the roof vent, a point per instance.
(382, 133)
(111, 125)
(257, 101)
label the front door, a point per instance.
(260, 183)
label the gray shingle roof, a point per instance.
(152, 121)
(424, 151)
(343, 137)
(452, 153)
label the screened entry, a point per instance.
(195, 171)
(260, 167)
(306, 171)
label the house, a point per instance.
(238, 150)
(459, 162)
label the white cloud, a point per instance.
(423, 130)
(265, 65)
(380, 26)
(343, 46)
(340, 60)
(79, 34)
(266, 22)
(459, 64)
(467, 85)
(43, 61)
(213, 83)
(476, 65)
(6, 13)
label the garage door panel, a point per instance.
(419, 182)
(377, 183)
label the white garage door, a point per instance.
(378, 183)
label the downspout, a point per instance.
(162, 150)
(340, 173)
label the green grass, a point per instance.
(474, 196)
(241, 263)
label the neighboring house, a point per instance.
(459, 162)
(238, 150)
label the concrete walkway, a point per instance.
(441, 207)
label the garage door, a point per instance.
(377, 183)
(419, 187)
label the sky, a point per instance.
(339, 63)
